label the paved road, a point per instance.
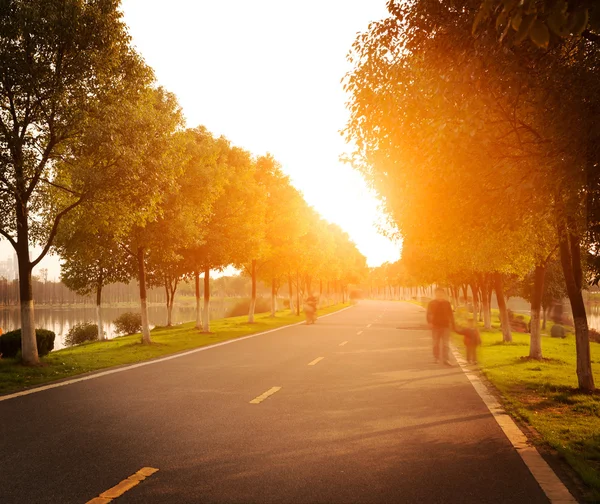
(373, 421)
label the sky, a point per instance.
(266, 74)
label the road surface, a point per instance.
(358, 412)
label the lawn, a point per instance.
(544, 395)
(128, 349)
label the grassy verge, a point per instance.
(544, 395)
(128, 349)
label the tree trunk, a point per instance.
(485, 305)
(168, 294)
(99, 312)
(297, 293)
(253, 296)
(535, 345)
(206, 310)
(504, 320)
(198, 310)
(143, 302)
(273, 299)
(29, 351)
(474, 291)
(291, 287)
(570, 258)
(545, 313)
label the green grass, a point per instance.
(94, 356)
(545, 396)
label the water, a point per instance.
(61, 319)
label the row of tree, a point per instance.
(96, 163)
(478, 125)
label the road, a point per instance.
(373, 421)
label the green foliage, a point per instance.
(10, 342)
(128, 323)
(80, 333)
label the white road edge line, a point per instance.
(550, 483)
(155, 361)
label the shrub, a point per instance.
(243, 307)
(594, 335)
(81, 333)
(10, 342)
(356, 294)
(128, 323)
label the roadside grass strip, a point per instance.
(316, 361)
(124, 486)
(265, 395)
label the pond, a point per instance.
(60, 319)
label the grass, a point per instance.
(544, 395)
(94, 356)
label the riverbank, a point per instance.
(543, 395)
(128, 349)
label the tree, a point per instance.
(495, 135)
(90, 261)
(541, 21)
(186, 210)
(234, 228)
(62, 64)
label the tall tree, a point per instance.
(62, 64)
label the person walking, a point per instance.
(441, 320)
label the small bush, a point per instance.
(242, 307)
(10, 342)
(81, 333)
(128, 323)
(594, 335)
(356, 294)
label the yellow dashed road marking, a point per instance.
(316, 361)
(123, 486)
(359, 333)
(369, 325)
(343, 343)
(262, 397)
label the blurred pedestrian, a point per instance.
(441, 320)
(472, 340)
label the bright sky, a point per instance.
(266, 74)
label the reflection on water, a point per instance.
(593, 313)
(61, 319)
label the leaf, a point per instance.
(557, 21)
(525, 27)
(579, 22)
(517, 19)
(539, 34)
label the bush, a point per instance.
(81, 333)
(594, 335)
(356, 294)
(128, 323)
(10, 342)
(243, 307)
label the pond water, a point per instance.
(61, 319)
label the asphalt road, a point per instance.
(374, 421)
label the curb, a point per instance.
(550, 483)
